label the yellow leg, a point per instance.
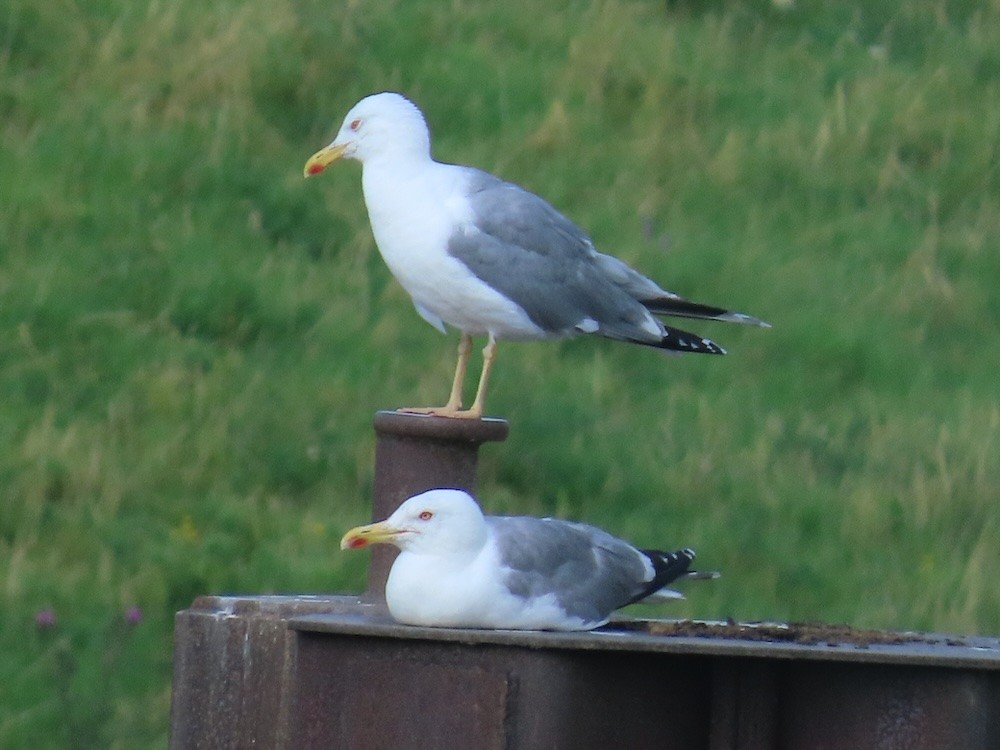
(464, 349)
(489, 354)
(454, 406)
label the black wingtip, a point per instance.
(677, 340)
(668, 566)
(685, 308)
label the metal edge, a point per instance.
(934, 650)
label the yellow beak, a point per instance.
(322, 159)
(373, 533)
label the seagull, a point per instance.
(490, 258)
(459, 568)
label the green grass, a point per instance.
(193, 339)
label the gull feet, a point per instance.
(449, 412)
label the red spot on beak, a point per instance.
(316, 168)
(357, 542)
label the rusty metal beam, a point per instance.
(626, 688)
(319, 672)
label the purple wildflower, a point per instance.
(133, 615)
(45, 619)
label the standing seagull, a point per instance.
(490, 258)
(459, 568)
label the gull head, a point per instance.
(438, 522)
(380, 125)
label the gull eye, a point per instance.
(355, 123)
(425, 515)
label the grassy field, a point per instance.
(193, 339)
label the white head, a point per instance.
(434, 522)
(386, 124)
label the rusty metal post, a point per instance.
(416, 452)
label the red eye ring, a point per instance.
(425, 515)
(355, 123)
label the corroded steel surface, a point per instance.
(234, 660)
(368, 692)
(633, 688)
(319, 672)
(919, 649)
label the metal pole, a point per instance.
(416, 452)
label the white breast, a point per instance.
(413, 211)
(451, 591)
(442, 590)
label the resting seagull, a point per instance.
(490, 258)
(459, 568)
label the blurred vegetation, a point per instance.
(193, 340)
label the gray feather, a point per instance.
(524, 248)
(590, 572)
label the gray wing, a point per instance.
(590, 572)
(520, 245)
